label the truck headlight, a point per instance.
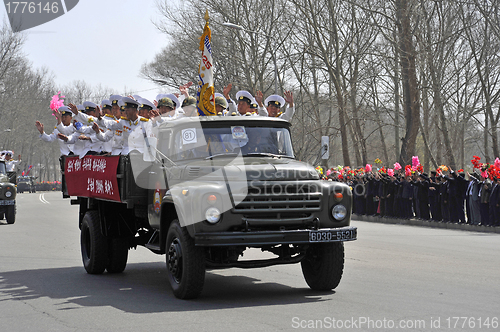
(212, 215)
(339, 212)
(8, 194)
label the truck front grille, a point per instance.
(279, 198)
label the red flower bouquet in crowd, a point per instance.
(407, 170)
(420, 168)
(476, 163)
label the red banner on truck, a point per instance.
(92, 176)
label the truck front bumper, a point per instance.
(259, 238)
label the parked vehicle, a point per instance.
(7, 195)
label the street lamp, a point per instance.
(239, 27)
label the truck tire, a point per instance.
(323, 265)
(117, 255)
(10, 214)
(94, 244)
(185, 263)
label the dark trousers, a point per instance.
(435, 210)
(460, 209)
(389, 206)
(494, 215)
(396, 207)
(445, 211)
(485, 214)
(424, 210)
(453, 206)
(369, 205)
(416, 207)
(382, 206)
(407, 208)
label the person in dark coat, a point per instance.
(423, 196)
(484, 193)
(397, 208)
(359, 195)
(434, 197)
(443, 198)
(389, 198)
(369, 186)
(475, 200)
(456, 185)
(407, 197)
(461, 188)
(494, 203)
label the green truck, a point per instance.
(203, 192)
(7, 194)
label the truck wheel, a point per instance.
(10, 214)
(323, 265)
(94, 245)
(117, 255)
(185, 263)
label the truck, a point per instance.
(26, 183)
(203, 192)
(7, 194)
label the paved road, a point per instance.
(395, 275)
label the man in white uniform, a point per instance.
(64, 117)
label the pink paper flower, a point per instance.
(397, 166)
(414, 161)
(484, 174)
(368, 168)
(497, 163)
(55, 103)
(390, 172)
(328, 172)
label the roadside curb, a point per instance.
(425, 223)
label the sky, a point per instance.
(99, 42)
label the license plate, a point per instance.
(332, 235)
(4, 202)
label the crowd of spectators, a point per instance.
(443, 196)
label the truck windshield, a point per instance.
(2, 169)
(198, 143)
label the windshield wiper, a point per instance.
(265, 154)
(222, 154)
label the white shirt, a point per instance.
(133, 132)
(10, 165)
(63, 146)
(285, 116)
